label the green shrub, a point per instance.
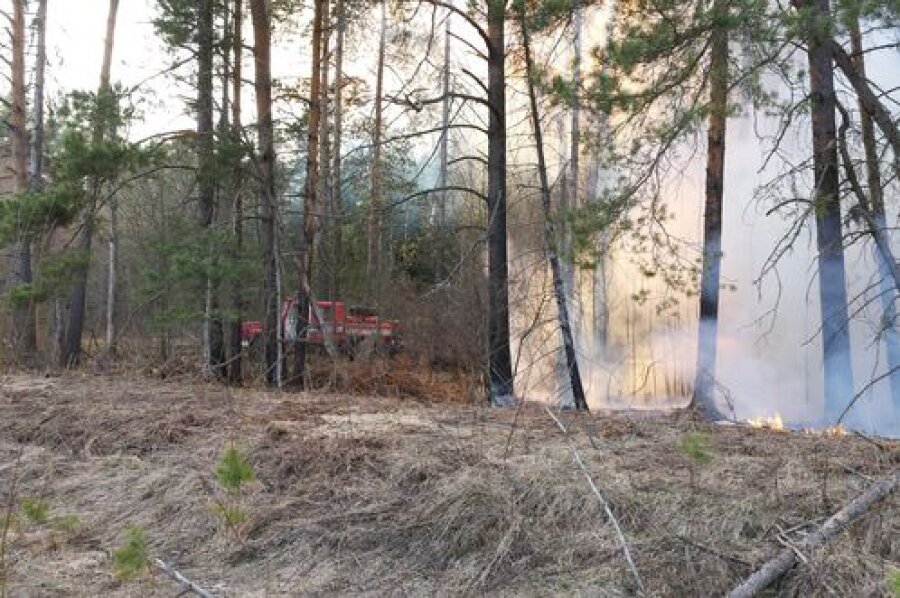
(66, 523)
(233, 470)
(893, 583)
(697, 447)
(36, 510)
(132, 558)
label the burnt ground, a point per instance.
(372, 496)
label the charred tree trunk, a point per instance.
(886, 263)
(24, 325)
(832, 286)
(310, 199)
(705, 376)
(559, 289)
(500, 375)
(78, 299)
(235, 372)
(373, 253)
(262, 47)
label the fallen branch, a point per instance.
(787, 558)
(186, 584)
(612, 518)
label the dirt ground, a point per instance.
(375, 496)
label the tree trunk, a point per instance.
(337, 203)
(440, 212)
(832, 286)
(310, 199)
(705, 375)
(876, 203)
(78, 299)
(235, 373)
(559, 289)
(373, 253)
(36, 165)
(323, 236)
(262, 46)
(24, 325)
(213, 345)
(500, 373)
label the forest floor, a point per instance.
(373, 496)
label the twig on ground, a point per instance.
(787, 558)
(186, 584)
(612, 518)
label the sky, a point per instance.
(75, 37)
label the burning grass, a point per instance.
(385, 495)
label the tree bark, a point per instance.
(24, 326)
(235, 372)
(886, 264)
(838, 370)
(772, 570)
(262, 44)
(373, 253)
(440, 215)
(323, 236)
(310, 199)
(337, 203)
(213, 344)
(36, 163)
(500, 375)
(705, 376)
(78, 299)
(559, 288)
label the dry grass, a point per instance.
(381, 495)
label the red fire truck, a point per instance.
(347, 328)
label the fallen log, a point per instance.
(186, 584)
(787, 558)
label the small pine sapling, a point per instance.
(893, 583)
(132, 558)
(696, 446)
(35, 510)
(233, 472)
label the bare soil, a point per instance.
(400, 496)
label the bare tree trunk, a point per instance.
(323, 236)
(373, 254)
(235, 373)
(78, 299)
(876, 203)
(262, 44)
(440, 213)
(213, 345)
(24, 325)
(708, 325)
(36, 164)
(838, 368)
(36, 167)
(499, 356)
(337, 203)
(310, 199)
(559, 289)
(111, 278)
